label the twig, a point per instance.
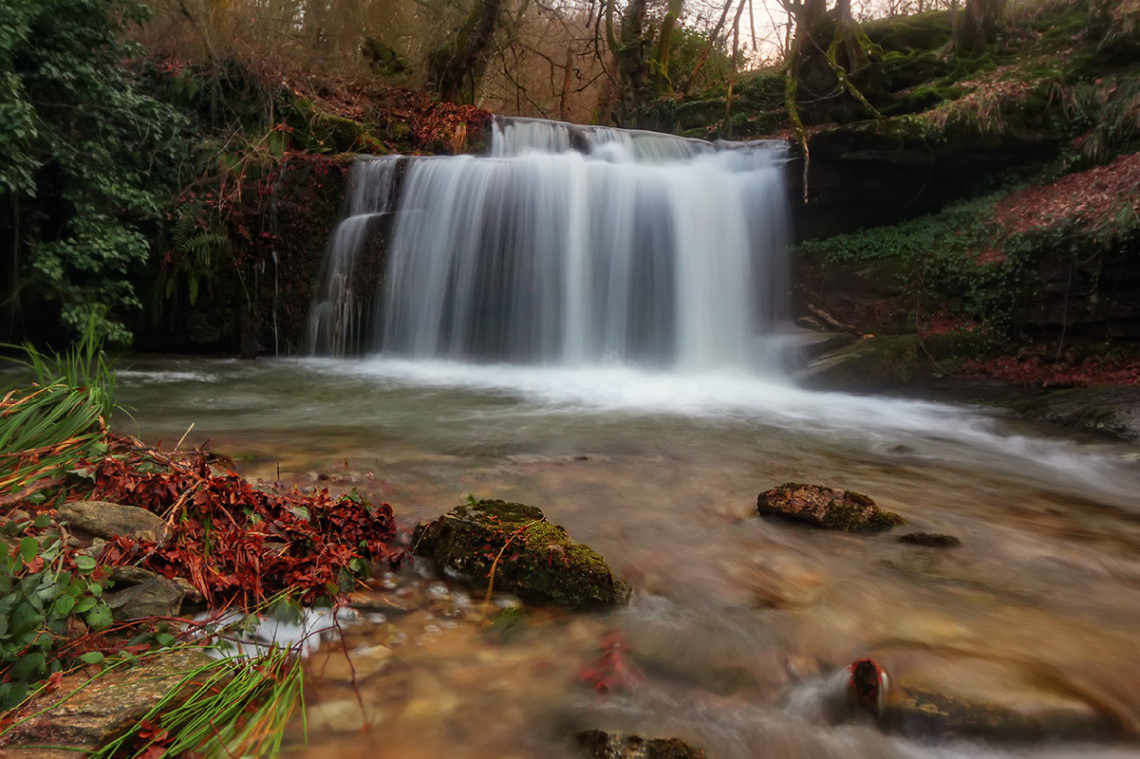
(495, 563)
(352, 671)
(14, 498)
(183, 438)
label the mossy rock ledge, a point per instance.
(537, 560)
(831, 509)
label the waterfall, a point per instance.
(342, 319)
(579, 245)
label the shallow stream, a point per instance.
(738, 625)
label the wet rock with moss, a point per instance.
(512, 547)
(825, 507)
(608, 744)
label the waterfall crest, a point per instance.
(572, 245)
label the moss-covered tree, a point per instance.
(978, 26)
(457, 67)
(830, 70)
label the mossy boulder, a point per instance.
(824, 507)
(513, 547)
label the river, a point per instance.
(738, 625)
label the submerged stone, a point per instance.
(930, 540)
(608, 744)
(921, 712)
(939, 694)
(512, 547)
(824, 507)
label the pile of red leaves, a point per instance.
(1042, 371)
(234, 543)
(1088, 199)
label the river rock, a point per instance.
(515, 548)
(154, 597)
(343, 716)
(608, 744)
(921, 712)
(824, 507)
(127, 575)
(930, 540)
(85, 712)
(945, 695)
(107, 520)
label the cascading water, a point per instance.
(342, 320)
(574, 245)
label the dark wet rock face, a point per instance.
(513, 547)
(1113, 411)
(604, 744)
(873, 364)
(930, 540)
(824, 507)
(926, 713)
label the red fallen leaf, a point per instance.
(55, 679)
(612, 670)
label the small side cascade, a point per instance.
(342, 320)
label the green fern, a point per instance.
(196, 248)
(1110, 107)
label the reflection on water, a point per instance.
(734, 618)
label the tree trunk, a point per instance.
(978, 26)
(457, 67)
(662, 84)
(630, 49)
(829, 63)
(10, 275)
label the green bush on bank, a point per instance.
(86, 158)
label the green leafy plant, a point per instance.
(39, 595)
(1109, 112)
(88, 158)
(945, 257)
